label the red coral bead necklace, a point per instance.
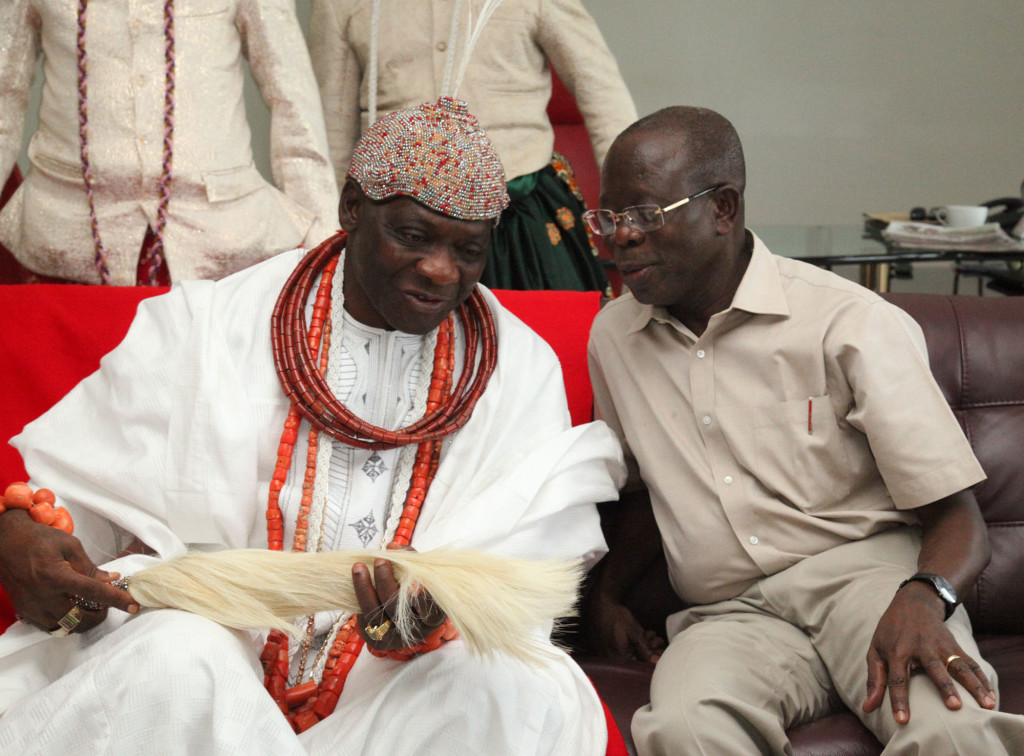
(300, 355)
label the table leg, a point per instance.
(875, 276)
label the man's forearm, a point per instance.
(954, 542)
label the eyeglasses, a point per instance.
(641, 217)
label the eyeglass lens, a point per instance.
(640, 217)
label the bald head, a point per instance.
(707, 139)
(690, 162)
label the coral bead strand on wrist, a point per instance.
(432, 642)
(39, 504)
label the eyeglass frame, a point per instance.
(660, 212)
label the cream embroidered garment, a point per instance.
(507, 84)
(223, 215)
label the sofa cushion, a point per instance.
(976, 351)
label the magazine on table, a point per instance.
(987, 238)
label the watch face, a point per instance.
(945, 590)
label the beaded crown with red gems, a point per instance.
(436, 154)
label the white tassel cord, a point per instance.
(496, 603)
(475, 30)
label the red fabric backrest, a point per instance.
(562, 105)
(572, 140)
(562, 318)
(54, 336)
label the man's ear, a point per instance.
(727, 202)
(351, 203)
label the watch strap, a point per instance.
(940, 584)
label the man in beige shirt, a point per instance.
(787, 440)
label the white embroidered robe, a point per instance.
(174, 440)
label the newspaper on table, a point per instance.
(987, 238)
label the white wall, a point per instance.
(843, 106)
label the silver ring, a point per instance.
(67, 623)
(89, 606)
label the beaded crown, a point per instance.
(436, 154)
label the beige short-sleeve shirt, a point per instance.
(805, 416)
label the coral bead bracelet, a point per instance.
(40, 505)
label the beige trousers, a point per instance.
(738, 673)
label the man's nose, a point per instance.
(625, 235)
(440, 266)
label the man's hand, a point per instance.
(910, 636)
(615, 633)
(42, 568)
(379, 597)
(634, 548)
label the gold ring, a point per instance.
(67, 623)
(376, 632)
(952, 658)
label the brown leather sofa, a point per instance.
(976, 349)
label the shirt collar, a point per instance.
(760, 291)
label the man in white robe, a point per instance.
(173, 443)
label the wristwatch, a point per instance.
(941, 586)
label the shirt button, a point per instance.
(707, 420)
(700, 353)
(442, 46)
(754, 540)
(728, 480)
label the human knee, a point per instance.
(712, 724)
(167, 642)
(971, 731)
(513, 706)
(508, 680)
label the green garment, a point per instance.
(542, 242)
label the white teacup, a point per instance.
(961, 216)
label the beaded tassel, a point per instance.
(154, 253)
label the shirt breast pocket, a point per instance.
(800, 452)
